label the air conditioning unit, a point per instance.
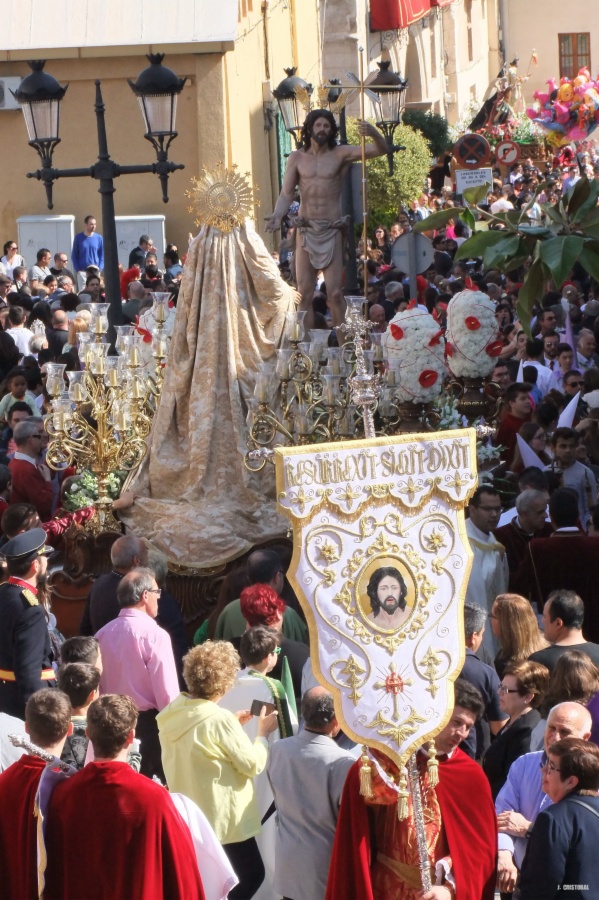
(7, 101)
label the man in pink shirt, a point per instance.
(138, 660)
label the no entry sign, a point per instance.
(472, 151)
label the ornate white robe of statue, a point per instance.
(488, 578)
(250, 686)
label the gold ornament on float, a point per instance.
(222, 198)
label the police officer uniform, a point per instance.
(25, 654)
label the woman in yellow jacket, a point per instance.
(207, 756)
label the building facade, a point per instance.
(449, 52)
(565, 39)
(233, 53)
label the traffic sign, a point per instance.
(472, 151)
(469, 178)
(507, 153)
(423, 252)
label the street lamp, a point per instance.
(157, 88)
(390, 89)
(293, 97)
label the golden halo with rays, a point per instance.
(221, 197)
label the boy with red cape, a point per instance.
(111, 832)
(375, 854)
(47, 722)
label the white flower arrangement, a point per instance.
(415, 350)
(472, 345)
(447, 407)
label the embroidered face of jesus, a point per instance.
(387, 592)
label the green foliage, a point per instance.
(83, 492)
(433, 126)
(570, 235)
(387, 193)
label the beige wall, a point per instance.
(220, 117)
(537, 23)
(432, 53)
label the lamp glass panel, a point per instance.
(159, 112)
(288, 109)
(41, 119)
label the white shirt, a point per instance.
(21, 337)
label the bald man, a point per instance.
(521, 799)
(376, 314)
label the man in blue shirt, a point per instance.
(522, 798)
(88, 249)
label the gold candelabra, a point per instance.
(101, 421)
(319, 393)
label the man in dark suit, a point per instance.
(25, 656)
(528, 524)
(567, 559)
(137, 293)
(137, 257)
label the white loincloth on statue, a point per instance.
(488, 578)
(246, 689)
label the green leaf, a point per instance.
(534, 230)
(437, 220)
(476, 245)
(559, 255)
(553, 212)
(531, 291)
(578, 195)
(475, 195)
(590, 218)
(496, 255)
(590, 204)
(468, 217)
(589, 258)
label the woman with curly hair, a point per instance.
(520, 694)
(515, 625)
(208, 757)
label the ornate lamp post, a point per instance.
(390, 89)
(157, 88)
(293, 97)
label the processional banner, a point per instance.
(380, 565)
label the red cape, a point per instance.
(113, 833)
(18, 828)
(470, 826)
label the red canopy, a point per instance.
(388, 15)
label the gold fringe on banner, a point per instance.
(402, 797)
(365, 776)
(432, 765)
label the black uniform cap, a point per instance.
(28, 545)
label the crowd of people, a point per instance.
(264, 792)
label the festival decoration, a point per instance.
(222, 198)
(569, 111)
(415, 351)
(471, 334)
(101, 422)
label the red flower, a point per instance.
(147, 335)
(396, 332)
(427, 378)
(448, 349)
(494, 348)
(471, 323)
(436, 338)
